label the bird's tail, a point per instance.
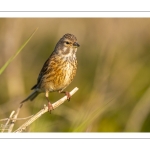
(31, 97)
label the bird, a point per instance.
(58, 70)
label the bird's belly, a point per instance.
(63, 78)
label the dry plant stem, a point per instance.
(8, 120)
(44, 110)
(5, 119)
(14, 119)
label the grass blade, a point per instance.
(18, 51)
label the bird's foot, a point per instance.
(67, 94)
(50, 107)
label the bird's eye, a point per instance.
(67, 43)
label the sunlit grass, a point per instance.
(17, 52)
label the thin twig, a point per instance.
(6, 125)
(14, 119)
(44, 110)
(5, 119)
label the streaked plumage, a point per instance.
(59, 69)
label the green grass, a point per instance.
(17, 52)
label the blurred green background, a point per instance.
(113, 73)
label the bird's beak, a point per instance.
(76, 44)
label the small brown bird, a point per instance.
(58, 71)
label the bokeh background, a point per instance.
(113, 73)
